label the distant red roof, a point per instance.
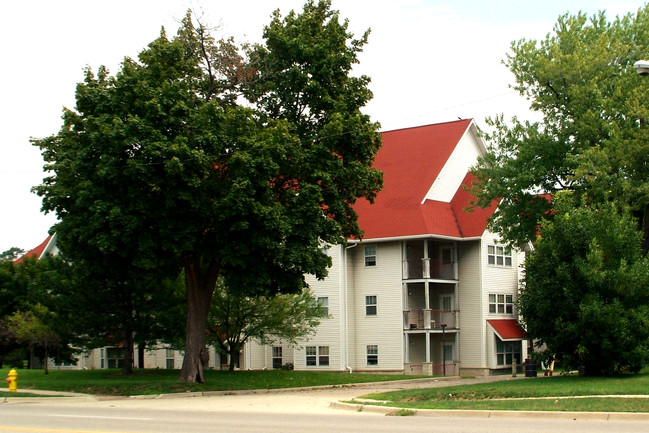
(36, 252)
(507, 329)
(411, 160)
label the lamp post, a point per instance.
(443, 325)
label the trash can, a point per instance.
(530, 367)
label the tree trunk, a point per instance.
(46, 360)
(200, 282)
(645, 227)
(127, 345)
(234, 357)
(140, 354)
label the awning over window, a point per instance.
(507, 329)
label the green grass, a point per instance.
(151, 382)
(532, 393)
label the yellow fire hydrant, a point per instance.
(12, 380)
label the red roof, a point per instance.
(411, 160)
(36, 252)
(507, 329)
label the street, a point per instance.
(100, 418)
(269, 412)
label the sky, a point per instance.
(430, 61)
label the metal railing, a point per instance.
(430, 319)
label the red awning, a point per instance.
(507, 329)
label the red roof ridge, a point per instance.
(35, 252)
(427, 125)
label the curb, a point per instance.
(581, 416)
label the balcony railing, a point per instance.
(428, 268)
(430, 319)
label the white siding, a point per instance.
(386, 328)
(498, 279)
(330, 331)
(472, 347)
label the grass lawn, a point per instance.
(147, 382)
(556, 393)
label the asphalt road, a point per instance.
(269, 412)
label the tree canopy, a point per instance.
(576, 185)
(159, 168)
(32, 324)
(586, 290)
(591, 139)
(235, 319)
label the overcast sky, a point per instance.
(430, 61)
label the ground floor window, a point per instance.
(114, 357)
(372, 354)
(277, 356)
(507, 351)
(170, 356)
(317, 355)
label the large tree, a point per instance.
(158, 169)
(585, 287)
(592, 137)
(235, 319)
(586, 290)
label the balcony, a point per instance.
(428, 269)
(430, 319)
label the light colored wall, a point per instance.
(498, 280)
(472, 322)
(330, 331)
(386, 328)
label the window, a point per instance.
(317, 355)
(370, 305)
(311, 355)
(506, 351)
(372, 354)
(324, 302)
(370, 255)
(499, 255)
(169, 356)
(501, 304)
(323, 355)
(277, 356)
(114, 357)
(448, 352)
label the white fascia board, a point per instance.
(414, 237)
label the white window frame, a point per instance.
(170, 358)
(371, 305)
(277, 355)
(372, 352)
(317, 356)
(311, 356)
(505, 352)
(323, 356)
(499, 255)
(501, 303)
(324, 302)
(369, 253)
